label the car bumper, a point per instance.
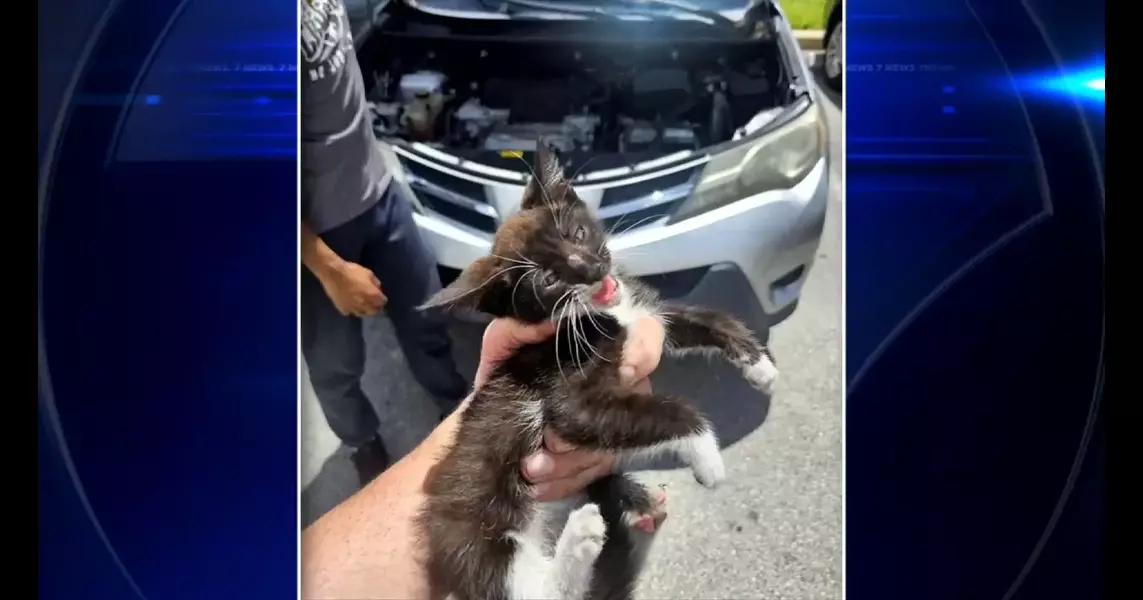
(761, 246)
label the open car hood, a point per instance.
(730, 8)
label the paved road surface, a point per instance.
(773, 530)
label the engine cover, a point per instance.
(523, 137)
(475, 120)
(576, 132)
(641, 136)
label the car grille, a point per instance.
(453, 198)
(635, 205)
(622, 208)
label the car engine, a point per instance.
(660, 110)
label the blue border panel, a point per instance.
(975, 299)
(167, 299)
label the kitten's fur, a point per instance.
(488, 539)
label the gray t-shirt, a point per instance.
(343, 173)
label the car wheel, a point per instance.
(833, 66)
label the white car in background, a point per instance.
(833, 63)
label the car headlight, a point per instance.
(775, 161)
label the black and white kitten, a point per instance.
(488, 538)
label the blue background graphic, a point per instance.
(167, 311)
(974, 299)
(167, 426)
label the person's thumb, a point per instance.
(502, 337)
(505, 335)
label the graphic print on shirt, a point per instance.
(324, 37)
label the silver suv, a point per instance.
(693, 129)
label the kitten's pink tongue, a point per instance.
(606, 291)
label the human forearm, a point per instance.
(369, 546)
(318, 257)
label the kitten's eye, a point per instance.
(579, 234)
(550, 279)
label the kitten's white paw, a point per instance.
(762, 374)
(706, 461)
(710, 472)
(584, 533)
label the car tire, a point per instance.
(832, 65)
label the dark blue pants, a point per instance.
(385, 240)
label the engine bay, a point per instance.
(502, 93)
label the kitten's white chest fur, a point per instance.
(626, 311)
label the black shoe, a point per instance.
(370, 460)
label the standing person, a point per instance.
(360, 247)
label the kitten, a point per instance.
(488, 538)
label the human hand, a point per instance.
(354, 290)
(559, 469)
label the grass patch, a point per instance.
(804, 14)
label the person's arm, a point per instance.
(318, 257)
(353, 289)
(369, 546)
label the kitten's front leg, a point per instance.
(620, 419)
(692, 328)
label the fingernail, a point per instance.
(627, 374)
(538, 465)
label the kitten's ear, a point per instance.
(467, 292)
(548, 185)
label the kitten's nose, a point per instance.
(596, 272)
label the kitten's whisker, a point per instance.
(581, 167)
(586, 341)
(559, 365)
(563, 314)
(558, 212)
(539, 302)
(518, 280)
(607, 233)
(576, 324)
(572, 322)
(494, 276)
(559, 319)
(611, 231)
(522, 262)
(525, 259)
(591, 319)
(644, 220)
(560, 299)
(597, 327)
(543, 191)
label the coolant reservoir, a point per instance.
(423, 97)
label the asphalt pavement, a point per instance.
(773, 530)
